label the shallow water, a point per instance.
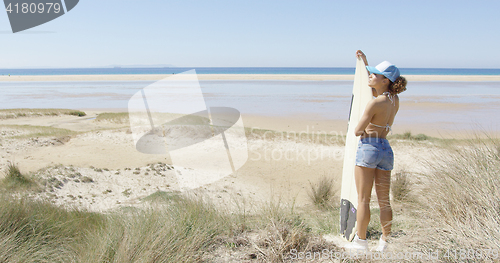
(456, 104)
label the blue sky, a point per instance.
(272, 33)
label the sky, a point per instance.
(260, 33)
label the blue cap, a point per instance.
(387, 69)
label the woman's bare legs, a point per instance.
(364, 183)
(382, 187)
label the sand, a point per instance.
(99, 168)
(240, 77)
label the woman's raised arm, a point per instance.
(360, 54)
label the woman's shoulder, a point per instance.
(384, 100)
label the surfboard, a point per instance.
(361, 95)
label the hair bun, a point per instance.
(398, 86)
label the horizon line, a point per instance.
(194, 67)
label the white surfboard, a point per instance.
(361, 95)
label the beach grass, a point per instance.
(177, 119)
(460, 194)
(14, 180)
(31, 131)
(400, 185)
(17, 113)
(175, 228)
(113, 117)
(282, 228)
(452, 205)
(161, 197)
(322, 192)
(181, 230)
(409, 136)
(37, 231)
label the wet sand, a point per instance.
(241, 77)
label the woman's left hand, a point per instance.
(360, 54)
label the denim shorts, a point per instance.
(375, 153)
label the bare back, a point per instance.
(384, 112)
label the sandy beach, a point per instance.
(160, 131)
(91, 161)
(284, 158)
(107, 144)
(240, 77)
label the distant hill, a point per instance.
(144, 66)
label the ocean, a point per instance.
(453, 105)
(238, 70)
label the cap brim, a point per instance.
(373, 70)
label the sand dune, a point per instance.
(278, 165)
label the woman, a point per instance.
(374, 157)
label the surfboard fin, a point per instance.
(347, 219)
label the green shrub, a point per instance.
(77, 113)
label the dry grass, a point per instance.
(14, 180)
(322, 193)
(280, 237)
(181, 230)
(281, 229)
(400, 185)
(30, 131)
(457, 207)
(178, 119)
(118, 117)
(36, 231)
(17, 113)
(459, 198)
(408, 136)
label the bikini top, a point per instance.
(387, 127)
